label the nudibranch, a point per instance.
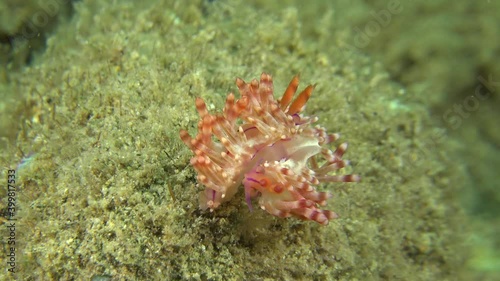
(271, 149)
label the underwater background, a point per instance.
(96, 183)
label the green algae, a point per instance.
(102, 107)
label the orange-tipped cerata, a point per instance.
(269, 148)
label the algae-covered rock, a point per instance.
(24, 28)
(105, 186)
